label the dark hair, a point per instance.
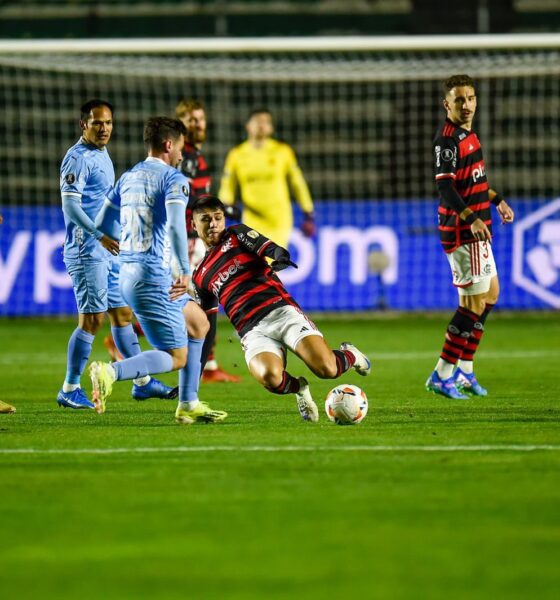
(457, 81)
(187, 105)
(88, 106)
(159, 129)
(260, 110)
(208, 201)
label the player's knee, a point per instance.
(91, 322)
(270, 378)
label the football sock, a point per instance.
(189, 375)
(456, 338)
(466, 361)
(79, 349)
(145, 363)
(127, 344)
(344, 361)
(288, 385)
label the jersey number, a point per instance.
(137, 226)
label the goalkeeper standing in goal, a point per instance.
(465, 228)
(262, 168)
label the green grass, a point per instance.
(327, 521)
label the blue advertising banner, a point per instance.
(367, 255)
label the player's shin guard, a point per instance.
(145, 363)
(288, 385)
(79, 349)
(456, 338)
(344, 361)
(474, 340)
(189, 375)
(126, 341)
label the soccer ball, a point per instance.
(346, 405)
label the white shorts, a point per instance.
(282, 328)
(473, 267)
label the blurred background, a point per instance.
(354, 88)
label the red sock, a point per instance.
(288, 385)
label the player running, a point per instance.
(150, 201)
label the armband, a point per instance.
(470, 219)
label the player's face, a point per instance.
(98, 127)
(210, 225)
(260, 127)
(460, 104)
(176, 151)
(195, 122)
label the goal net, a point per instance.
(360, 116)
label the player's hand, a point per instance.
(180, 287)
(233, 212)
(282, 260)
(308, 227)
(505, 212)
(110, 244)
(480, 231)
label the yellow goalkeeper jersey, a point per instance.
(264, 176)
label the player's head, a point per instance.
(96, 122)
(192, 113)
(459, 99)
(259, 124)
(165, 138)
(209, 219)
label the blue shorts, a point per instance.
(96, 285)
(162, 320)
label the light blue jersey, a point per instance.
(142, 194)
(86, 175)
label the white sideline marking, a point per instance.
(208, 449)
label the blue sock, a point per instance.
(145, 363)
(189, 375)
(126, 340)
(79, 349)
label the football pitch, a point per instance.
(427, 498)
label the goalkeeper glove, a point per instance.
(233, 212)
(308, 227)
(281, 260)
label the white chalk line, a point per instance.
(285, 449)
(43, 359)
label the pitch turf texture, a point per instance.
(427, 498)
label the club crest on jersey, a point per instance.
(185, 190)
(70, 178)
(227, 246)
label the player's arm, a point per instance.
(504, 209)
(228, 183)
(301, 193)
(446, 152)
(108, 219)
(176, 201)
(258, 244)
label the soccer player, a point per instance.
(465, 228)
(86, 176)
(261, 168)
(194, 166)
(235, 274)
(149, 201)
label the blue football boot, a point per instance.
(468, 384)
(444, 387)
(75, 399)
(154, 389)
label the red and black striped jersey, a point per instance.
(235, 274)
(458, 157)
(195, 168)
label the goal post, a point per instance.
(360, 113)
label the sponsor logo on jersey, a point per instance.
(227, 246)
(253, 234)
(224, 275)
(70, 178)
(478, 173)
(447, 154)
